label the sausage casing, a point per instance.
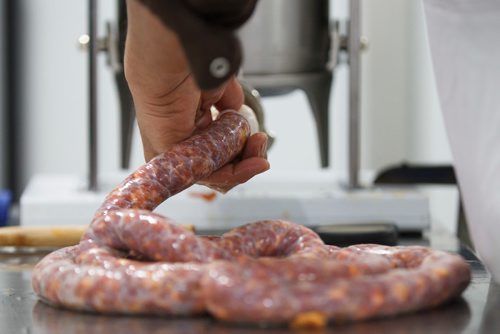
(133, 261)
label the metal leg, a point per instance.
(127, 111)
(318, 94)
(462, 228)
(92, 86)
(316, 86)
(353, 49)
(127, 119)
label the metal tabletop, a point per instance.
(477, 311)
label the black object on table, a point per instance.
(351, 234)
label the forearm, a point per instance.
(154, 59)
(169, 104)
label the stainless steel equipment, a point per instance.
(306, 198)
(286, 36)
(288, 45)
(113, 44)
(354, 50)
(92, 91)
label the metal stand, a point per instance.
(354, 54)
(316, 85)
(92, 86)
(113, 44)
(116, 41)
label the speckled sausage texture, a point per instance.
(133, 261)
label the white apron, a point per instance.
(464, 37)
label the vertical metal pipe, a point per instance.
(92, 95)
(354, 49)
(127, 110)
(14, 76)
(3, 98)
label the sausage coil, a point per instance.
(133, 261)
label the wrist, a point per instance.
(154, 59)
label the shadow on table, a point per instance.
(450, 318)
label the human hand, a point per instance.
(169, 105)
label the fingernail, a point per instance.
(263, 149)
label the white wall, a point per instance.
(55, 90)
(54, 87)
(400, 113)
(385, 83)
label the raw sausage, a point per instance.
(97, 276)
(133, 261)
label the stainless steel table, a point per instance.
(478, 311)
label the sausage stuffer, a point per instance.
(315, 198)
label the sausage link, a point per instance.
(152, 237)
(272, 238)
(277, 290)
(90, 276)
(180, 167)
(110, 284)
(133, 261)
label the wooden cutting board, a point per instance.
(46, 236)
(43, 236)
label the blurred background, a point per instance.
(43, 96)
